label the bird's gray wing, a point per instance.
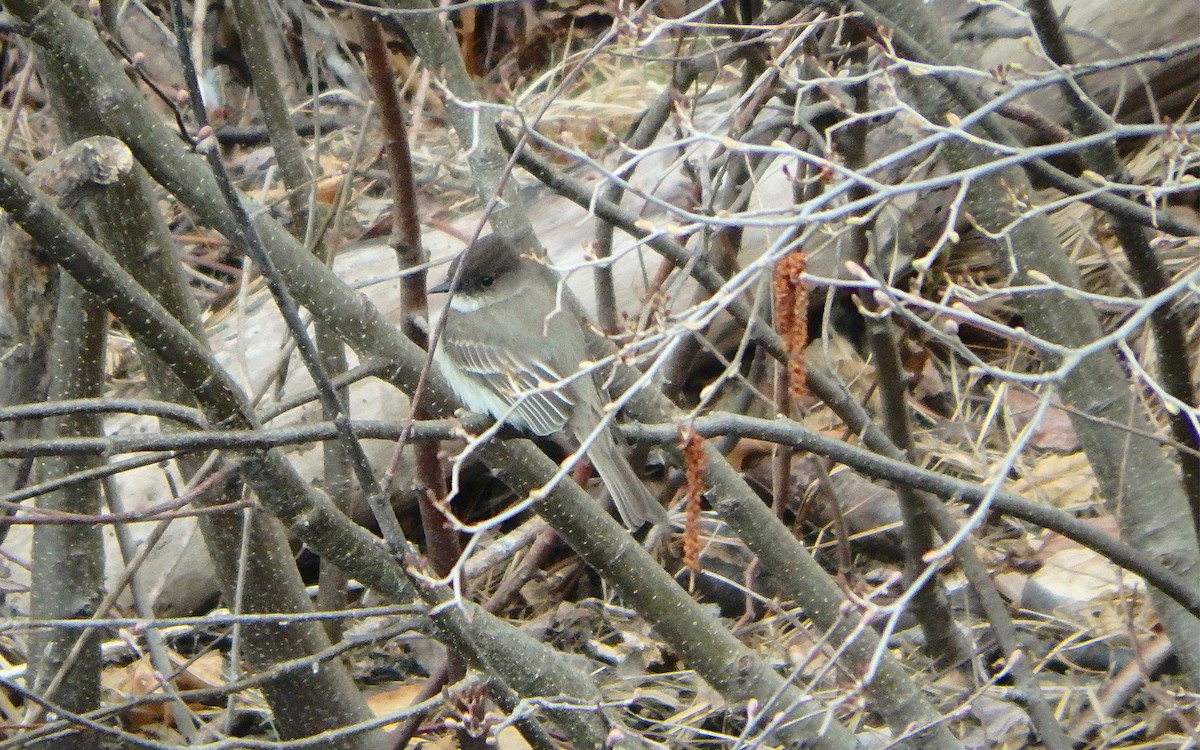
(528, 388)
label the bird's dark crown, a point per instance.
(485, 262)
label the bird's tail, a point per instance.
(634, 502)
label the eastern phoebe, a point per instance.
(512, 348)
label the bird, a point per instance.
(512, 346)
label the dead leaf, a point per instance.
(1054, 432)
(1064, 481)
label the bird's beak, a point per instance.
(441, 288)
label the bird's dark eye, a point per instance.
(487, 281)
